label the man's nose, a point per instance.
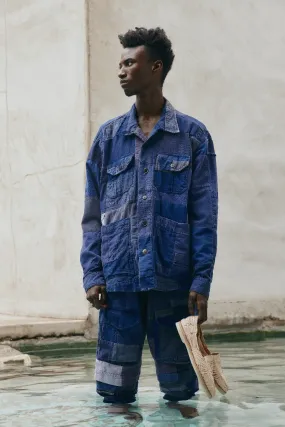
(122, 73)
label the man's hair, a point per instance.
(155, 40)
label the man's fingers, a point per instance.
(103, 297)
(97, 304)
(93, 296)
(203, 312)
(191, 305)
(198, 304)
(97, 296)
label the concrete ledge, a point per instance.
(15, 327)
(228, 317)
(246, 316)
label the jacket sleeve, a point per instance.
(203, 213)
(90, 256)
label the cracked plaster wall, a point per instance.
(43, 143)
(229, 72)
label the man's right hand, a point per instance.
(97, 296)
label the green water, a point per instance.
(59, 390)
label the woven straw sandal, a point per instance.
(189, 331)
(214, 361)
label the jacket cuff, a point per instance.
(201, 285)
(93, 279)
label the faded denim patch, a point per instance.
(115, 374)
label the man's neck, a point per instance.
(150, 104)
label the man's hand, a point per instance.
(97, 296)
(198, 302)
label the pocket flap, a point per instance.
(171, 163)
(119, 166)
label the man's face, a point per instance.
(136, 70)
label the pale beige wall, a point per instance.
(43, 134)
(229, 72)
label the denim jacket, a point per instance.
(151, 205)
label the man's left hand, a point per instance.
(198, 302)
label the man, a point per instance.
(149, 227)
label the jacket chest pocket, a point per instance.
(171, 173)
(120, 177)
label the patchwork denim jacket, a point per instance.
(151, 205)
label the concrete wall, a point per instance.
(229, 72)
(43, 141)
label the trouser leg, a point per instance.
(175, 373)
(120, 342)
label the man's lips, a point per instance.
(124, 83)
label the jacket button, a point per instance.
(144, 251)
(145, 170)
(144, 223)
(172, 165)
(144, 197)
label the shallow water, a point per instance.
(60, 391)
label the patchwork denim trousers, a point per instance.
(123, 327)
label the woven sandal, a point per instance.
(189, 331)
(214, 361)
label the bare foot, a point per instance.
(185, 411)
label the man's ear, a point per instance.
(157, 66)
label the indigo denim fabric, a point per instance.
(123, 326)
(151, 206)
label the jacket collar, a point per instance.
(167, 122)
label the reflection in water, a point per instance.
(125, 410)
(185, 411)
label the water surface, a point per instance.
(59, 390)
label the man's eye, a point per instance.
(129, 63)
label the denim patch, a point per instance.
(120, 323)
(117, 375)
(92, 174)
(120, 177)
(172, 260)
(171, 174)
(120, 268)
(116, 352)
(168, 346)
(167, 378)
(115, 239)
(125, 211)
(118, 258)
(176, 377)
(91, 221)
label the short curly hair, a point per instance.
(156, 41)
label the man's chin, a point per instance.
(129, 92)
